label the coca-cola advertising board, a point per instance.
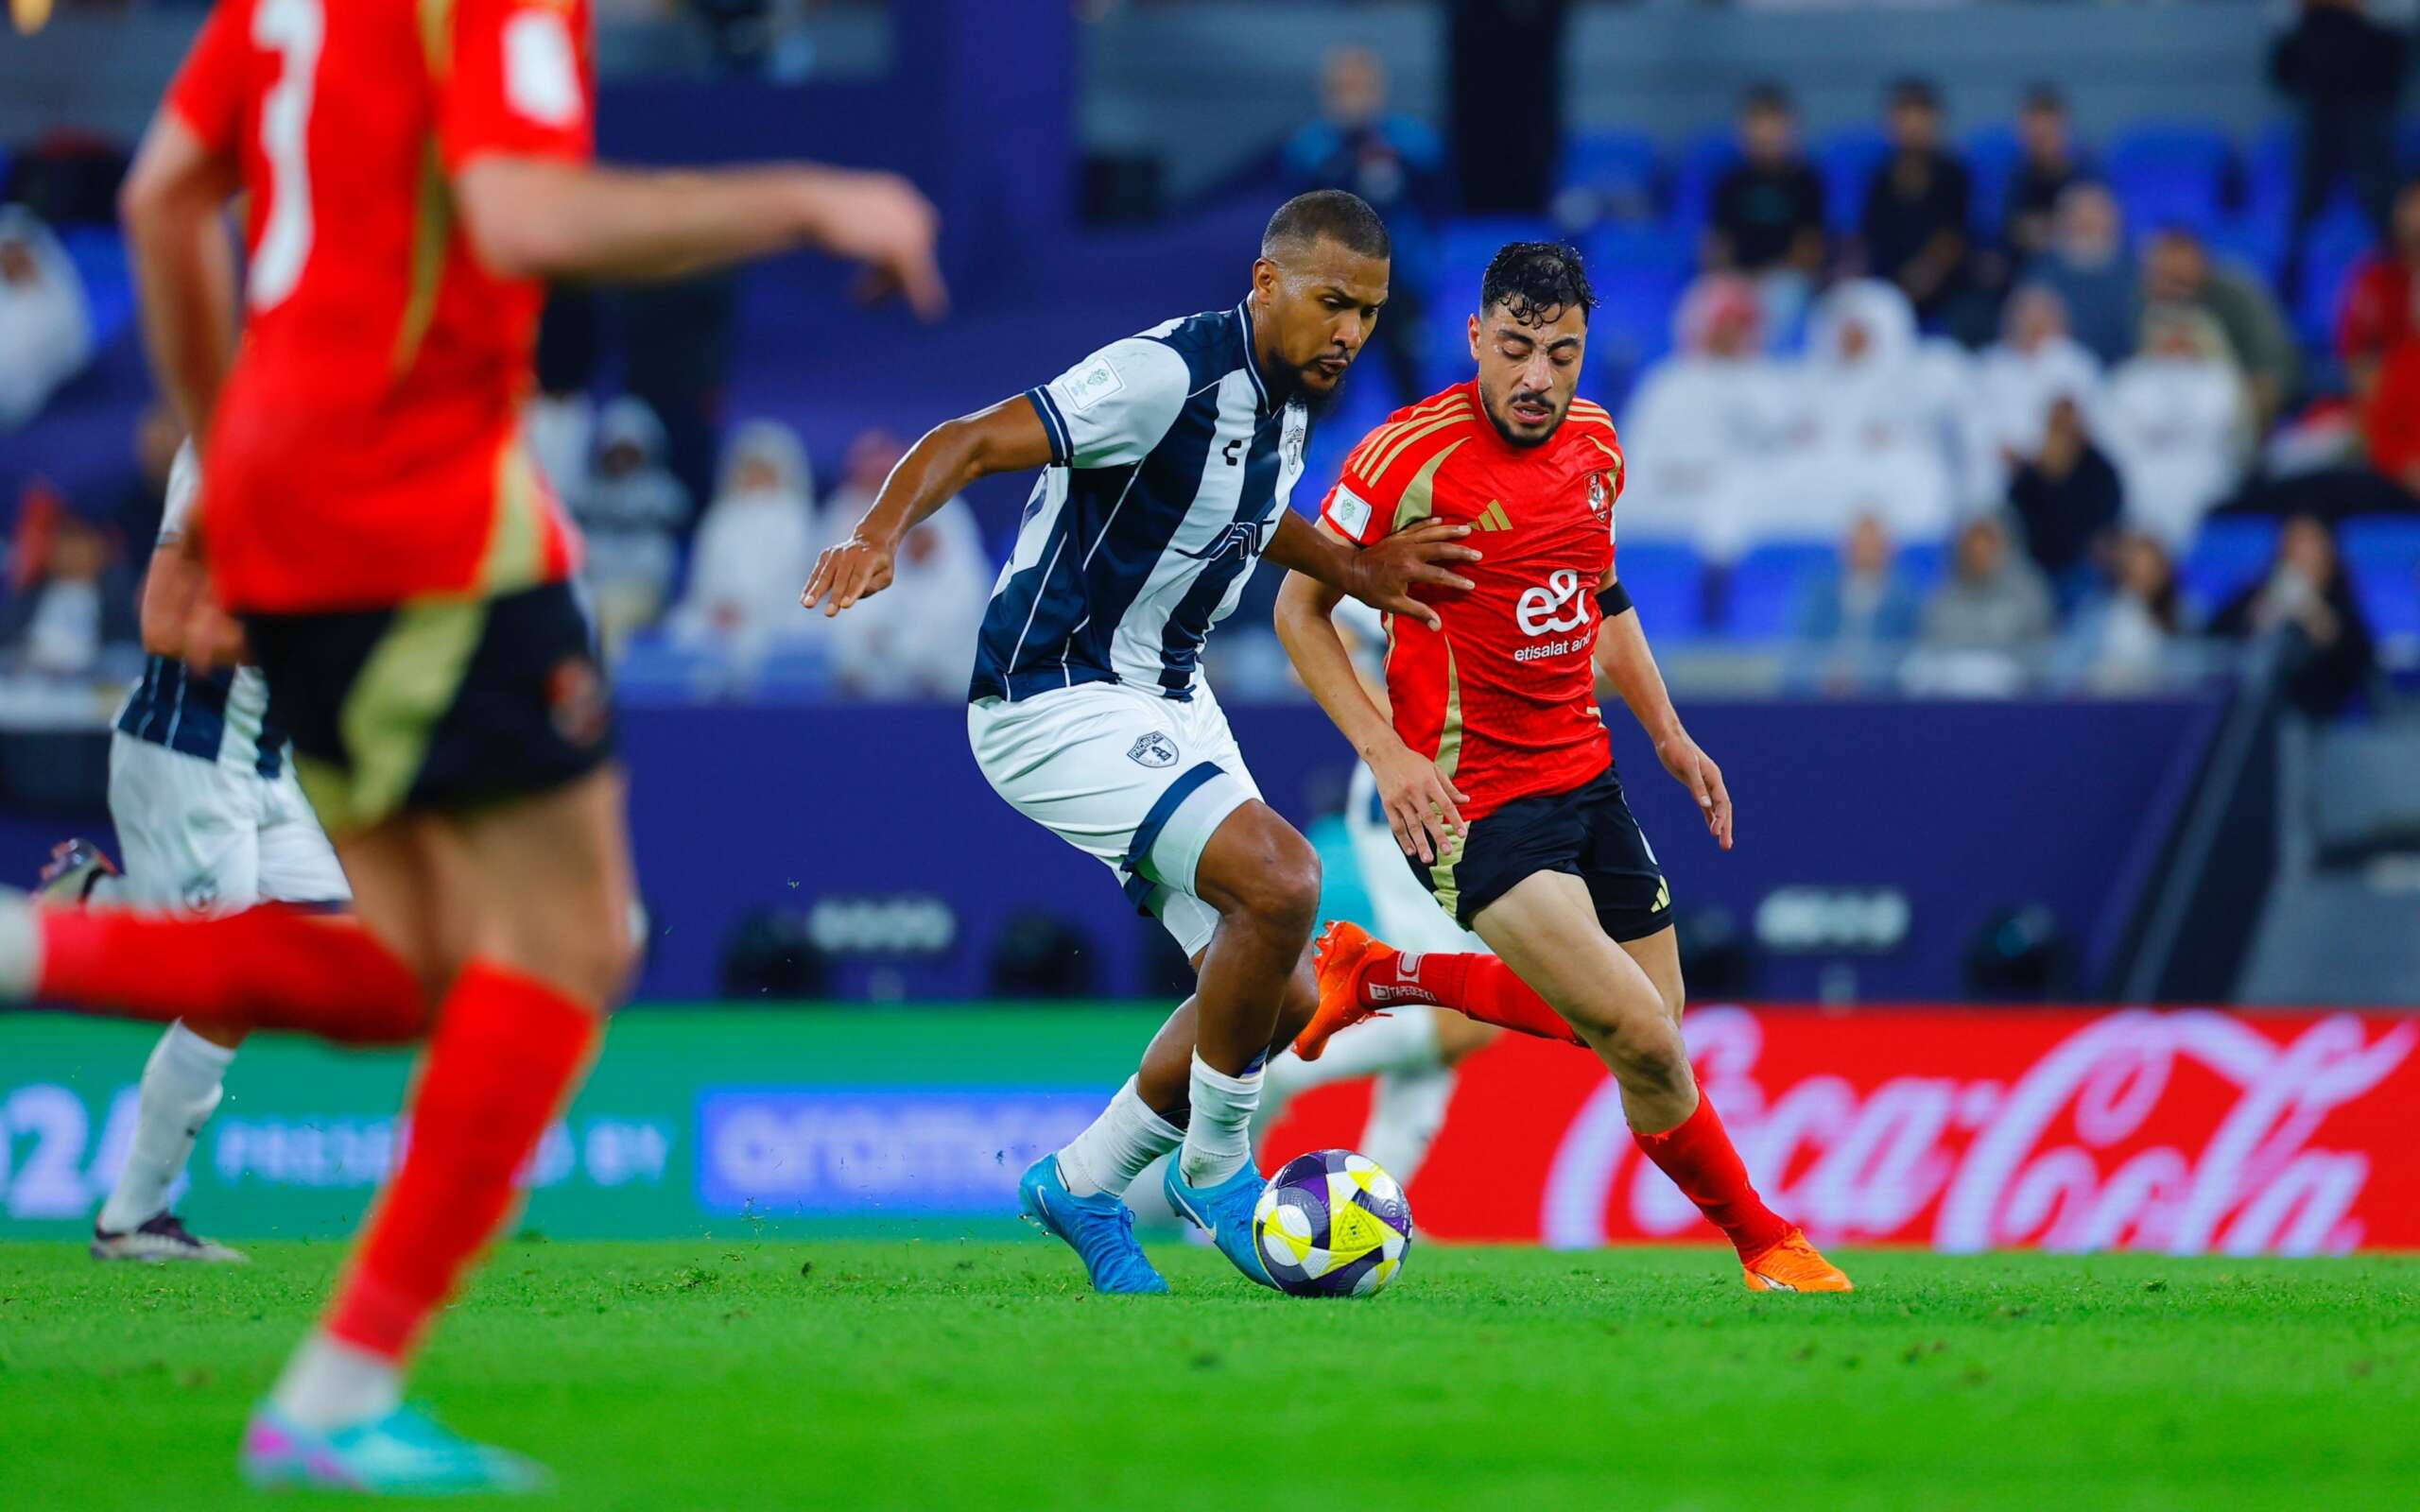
(2186, 1131)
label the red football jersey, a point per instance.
(1503, 699)
(366, 447)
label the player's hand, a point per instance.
(1385, 574)
(1695, 770)
(881, 220)
(212, 636)
(1422, 802)
(853, 570)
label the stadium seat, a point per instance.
(2229, 552)
(2383, 556)
(2171, 174)
(1847, 159)
(1922, 564)
(1766, 585)
(2270, 165)
(2258, 243)
(793, 677)
(653, 670)
(2339, 239)
(1702, 161)
(1993, 155)
(1667, 583)
(99, 256)
(1617, 171)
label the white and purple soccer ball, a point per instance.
(1332, 1223)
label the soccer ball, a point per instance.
(1332, 1223)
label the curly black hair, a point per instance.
(1534, 281)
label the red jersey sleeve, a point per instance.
(522, 82)
(1356, 508)
(208, 89)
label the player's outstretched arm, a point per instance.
(1006, 438)
(547, 217)
(1381, 575)
(1624, 659)
(184, 264)
(1423, 805)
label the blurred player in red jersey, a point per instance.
(1493, 768)
(371, 518)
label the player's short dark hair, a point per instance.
(2046, 96)
(1533, 282)
(1913, 91)
(1766, 97)
(1331, 215)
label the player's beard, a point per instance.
(1318, 404)
(1513, 437)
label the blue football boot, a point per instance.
(1100, 1229)
(404, 1453)
(1225, 1210)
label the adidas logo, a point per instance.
(1493, 517)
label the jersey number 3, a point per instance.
(292, 29)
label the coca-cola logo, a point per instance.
(2186, 1132)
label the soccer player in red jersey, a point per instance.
(413, 173)
(1493, 767)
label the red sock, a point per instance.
(1698, 1158)
(266, 967)
(1476, 987)
(506, 1053)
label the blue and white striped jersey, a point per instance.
(222, 717)
(1170, 463)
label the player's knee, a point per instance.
(1280, 888)
(1650, 1053)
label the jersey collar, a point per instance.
(1252, 362)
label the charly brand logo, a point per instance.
(1154, 749)
(2183, 1132)
(1239, 537)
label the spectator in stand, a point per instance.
(2048, 164)
(2088, 268)
(2178, 269)
(756, 545)
(2066, 495)
(1768, 216)
(45, 330)
(2033, 366)
(1396, 163)
(1867, 429)
(632, 509)
(1850, 627)
(71, 603)
(1916, 212)
(915, 638)
(2176, 420)
(2128, 637)
(1987, 626)
(2383, 303)
(2345, 72)
(1705, 425)
(2308, 598)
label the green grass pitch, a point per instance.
(975, 1374)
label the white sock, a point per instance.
(180, 1090)
(1108, 1155)
(1404, 1120)
(330, 1384)
(1404, 1040)
(20, 947)
(1217, 1141)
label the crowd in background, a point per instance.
(2004, 438)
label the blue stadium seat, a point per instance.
(1767, 583)
(99, 256)
(1992, 156)
(1618, 169)
(2257, 242)
(799, 676)
(1847, 159)
(2270, 165)
(1667, 582)
(2383, 555)
(2171, 174)
(2339, 239)
(1702, 161)
(2227, 555)
(653, 670)
(1922, 564)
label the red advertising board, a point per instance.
(2180, 1130)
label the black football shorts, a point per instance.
(1588, 832)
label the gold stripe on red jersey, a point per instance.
(1419, 496)
(432, 230)
(1425, 409)
(1379, 455)
(1378, 466)
(516, 551)
(1449, 756)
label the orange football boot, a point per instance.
(1791, 1264)
(1345, 950)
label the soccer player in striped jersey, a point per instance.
(211, 821)
(1168, 461)
(1490, 757)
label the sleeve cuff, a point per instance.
(1062, 446)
